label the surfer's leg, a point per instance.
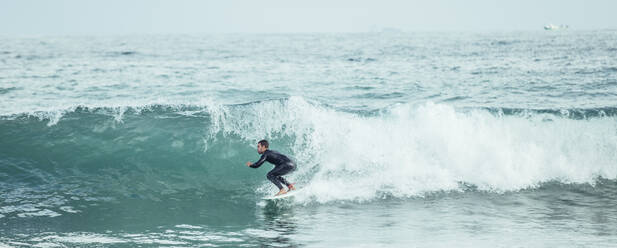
(282, 180)
(273, 177)
(289, 167)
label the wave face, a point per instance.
(161, 151)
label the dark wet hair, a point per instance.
(264, 143)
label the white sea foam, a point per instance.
(69, 209)
(192, 237)
(85, 238)
(44, 212)
(186, 226)
(410, 149)
(159, 241)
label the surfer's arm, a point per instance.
(259, 162)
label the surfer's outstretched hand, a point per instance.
(248, 164)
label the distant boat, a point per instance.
(555, 27)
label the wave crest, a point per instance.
(410, 150)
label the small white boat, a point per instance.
(555, 27)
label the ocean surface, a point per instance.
(494, 139)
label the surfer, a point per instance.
(282, 165)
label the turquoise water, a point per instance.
(402, 139)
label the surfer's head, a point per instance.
(262, 146)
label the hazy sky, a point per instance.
(32, 17)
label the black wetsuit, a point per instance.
(282, 165)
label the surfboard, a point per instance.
(283, 196)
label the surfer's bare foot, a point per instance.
(282, 191)
(291, 187)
